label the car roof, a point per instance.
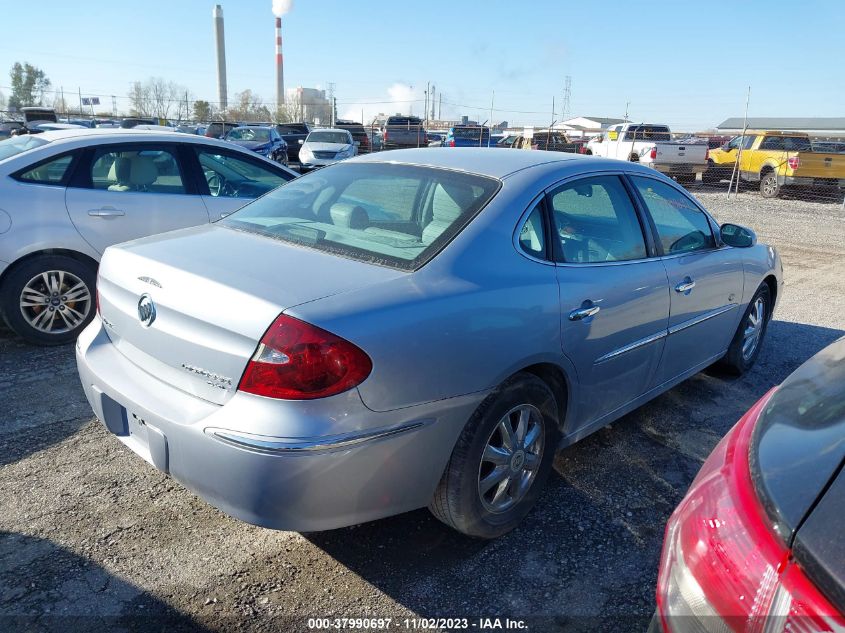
(329, 129)
(485, 161)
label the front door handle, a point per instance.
(105, 212)
(685, 286)
(583, 313)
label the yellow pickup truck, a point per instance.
(776, 159)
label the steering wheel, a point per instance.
(215, 183)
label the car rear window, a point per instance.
(472, 133)
(15, 145)
(393, 215)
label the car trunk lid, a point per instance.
(214, 293)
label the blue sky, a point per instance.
(681, 62)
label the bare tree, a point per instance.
(248, 107)
(289, 111)
(2, 101)
(158, 97)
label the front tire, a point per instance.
(748, 339)
(501, 460)
(769, 187)
(48, 300)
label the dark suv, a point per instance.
(219, 129)
(294, 135)
(403, 131)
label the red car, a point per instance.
(758, 543)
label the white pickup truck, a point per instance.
(652, 145)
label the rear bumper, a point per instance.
(803, 181)
(303, 466)
(672, 169)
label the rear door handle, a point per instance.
(685, 286)
(583, 313)
(105, 212)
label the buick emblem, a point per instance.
(146, 310)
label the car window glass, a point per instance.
(229, 176)
(748, 142)
(681, 225)
(147, 170)
(396, 215)
(532, 235)
(595, 221)
(391, 198)
(798, 144)
(52, 172)
(772, 143)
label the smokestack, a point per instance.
(220, 42)
(280, 66)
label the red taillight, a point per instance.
(723, 560)
(451, 143)
(793, 162)
(384, 135)
(653, 153)
(299, 361)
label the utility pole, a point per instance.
(627, 103)
(440, 107)
(433, 92)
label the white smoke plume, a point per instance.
(280, 7)
(400, 98)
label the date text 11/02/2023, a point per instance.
(418, 624)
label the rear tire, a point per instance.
(748, 339)
(769, 187)
(67, 288)
(494, 476)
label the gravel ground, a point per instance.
(92, 538)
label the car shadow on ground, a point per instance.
(45, 587)
(586, 558)
(41, 399)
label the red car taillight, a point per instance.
(451, 143)
(299, 361)
(723, 566)
(653, 153)
(793, 162)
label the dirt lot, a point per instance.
(91, 537)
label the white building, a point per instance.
(313, 104)
(582, 126)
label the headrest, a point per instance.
(143, 171)
(119, 170)
(349, 216)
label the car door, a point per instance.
(228, 180)
(130, 190)
(614, 297)
(705, 280)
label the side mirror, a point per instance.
(301, 141)
(737, 236)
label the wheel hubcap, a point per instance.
(55, 302)
(753, 328)
(511, 458)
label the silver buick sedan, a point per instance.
(419, 328)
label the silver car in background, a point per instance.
(65, 196)
(326, 146)
(419, 329)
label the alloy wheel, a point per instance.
(753, 329)
(55, 302)
(511, 458)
